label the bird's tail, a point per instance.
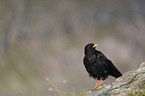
(115, 74)
(113, 70)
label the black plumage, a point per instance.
(98, 65)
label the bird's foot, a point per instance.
(96, 87)
(93, 89)
(99, 85)
(117, 79)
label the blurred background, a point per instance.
(42, 42)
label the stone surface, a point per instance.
(132, 82)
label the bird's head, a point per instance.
(90, 48)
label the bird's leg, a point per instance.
(100, 83)
(95, 85)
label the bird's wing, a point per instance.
(101, 64)
(109, 66)
(112, 70)
(100, 57)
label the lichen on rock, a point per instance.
(129, 84)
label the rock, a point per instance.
(129, 84)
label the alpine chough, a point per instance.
(98, 65)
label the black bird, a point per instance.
(98, 65)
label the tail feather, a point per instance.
(112, 70)
(115, 74)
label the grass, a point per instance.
(59, 92)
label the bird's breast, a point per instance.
(92, 58)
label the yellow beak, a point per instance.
(95, 45)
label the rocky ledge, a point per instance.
(131, 83)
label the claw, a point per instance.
(97, 85)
